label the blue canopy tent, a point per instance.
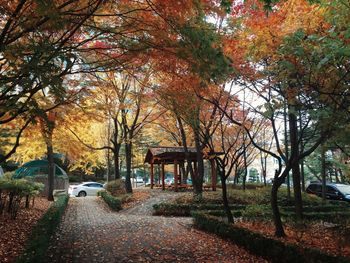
(38, 168)
(38, 171)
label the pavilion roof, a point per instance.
(168, 154)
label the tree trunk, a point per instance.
(286, 145)
(184, 173)
(109, 178)
(342, 177)
(184, 143)
(224, 194)
(51, 175)
(302, 172)
(116, 149)
(116, 161)
(279, 231)
(323, 172)
(27, 201)
(198, 178)
(11, 196)
(128, 160)
(336, 176)
(263, 167)
(293, 133)
(245, 168)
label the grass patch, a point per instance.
(38, 241)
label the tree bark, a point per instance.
(51, 174)
(116, 161)
(187, 154)
(286, 145)
(245, 168)
(184, 173)
(293, 133)
(128, 160)
(116, 149)
(27, 201)
(302, 172)
(279, 231)
(198, 178)
(336, 176)
(323, 172)
(108, 165)
(224, 194)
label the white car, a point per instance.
(85, 189)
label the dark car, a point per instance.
(333, 191)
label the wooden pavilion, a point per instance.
(175, 156)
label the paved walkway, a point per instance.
(90, 232)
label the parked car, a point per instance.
(333, 191)
(85, 189)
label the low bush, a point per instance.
(332, 214)
(116, 187)
(331, 217)
(266, 247)
(248, 186)
(320, 208)
(260, 211)
(113, 202)
(38, 240)
(170, 209)
(13, 191)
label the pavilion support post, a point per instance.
(213, 175)
(180, 174)
(163, 177)
(152, 175)
(176, 177)
(159, 174)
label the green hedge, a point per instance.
(38, 241)
(113, 202)
(329, 213)
(319, 208)
(170, 209)
(331, 217)
(268, 248)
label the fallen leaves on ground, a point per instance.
(14, 233)
(133, 235)
(136, 198)
(323, 236)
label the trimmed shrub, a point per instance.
(113, 202)
(116, 187)
(12, 192)
(170, 209)
(38, 241)
(254, 211)
(320, 208)
(266, 247)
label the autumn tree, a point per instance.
(289, 51)
(36, 48)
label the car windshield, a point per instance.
(345, 189)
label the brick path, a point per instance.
(90, 232)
